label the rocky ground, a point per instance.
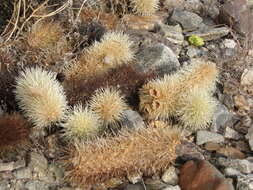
(218, 158)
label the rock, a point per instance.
(154, 184)
(193, 51)
(209, 34)
(170, 176)
(228, 43)
(173, 33)
(36, 185)
(38, 162)
(237, 14)
(247, 77)
(174, 4)
(188, 20)
(112, 183)
(251, 144)
(137, 22)
(134, 187)
(212, 146)
(244, 166)
(211, 8)
(4, 185)
(207, 136)
(159, 58)
(221, 117)
(231, 152)
(134, 178)
(57, 171)
(170, 187)
(230, 172)
(245, 182)
(232, 134)
(202, 175)
(188, 151)
(24, 173)
(193, 6)
(10, 166)
(242, 104)
(132, 119)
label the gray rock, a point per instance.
(231, 172)
(170, 176)
(38, 162)
(188, 20)
(4, 185)
(134, 178)
(57, 171)
(159, 58)
(24, 173)
(132, 119)
(10, 166)
(243, 166)
(207, 136)
(232, 134)
(154, 184)
(245, 182)
(170, 187)
(193, 6)
(221, 116)
(209, 34)
(134, 187)
(36, 185)
(193, 51)
(173, 33)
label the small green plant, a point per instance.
(196, 40)
(40, 96)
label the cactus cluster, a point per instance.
(149, 151)
(187, 93)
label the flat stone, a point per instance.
(188, 20)
(188, 151)
(10, 166)
(209, 34)
(173, 33)
(202, 175)
(231, 152)
(132, 119)
(207, 136)
(170, 176)
(212, 146)
(171, 187)
(159, 58)
(232, 134)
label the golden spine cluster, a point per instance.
(149, 151)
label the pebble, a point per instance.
(204, 136)
(230, 172)
(170, 176)
(245, 182)
(173, 33)
(36, 185)
(228, 43)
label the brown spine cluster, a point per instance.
(14, 132)
(149, 151)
